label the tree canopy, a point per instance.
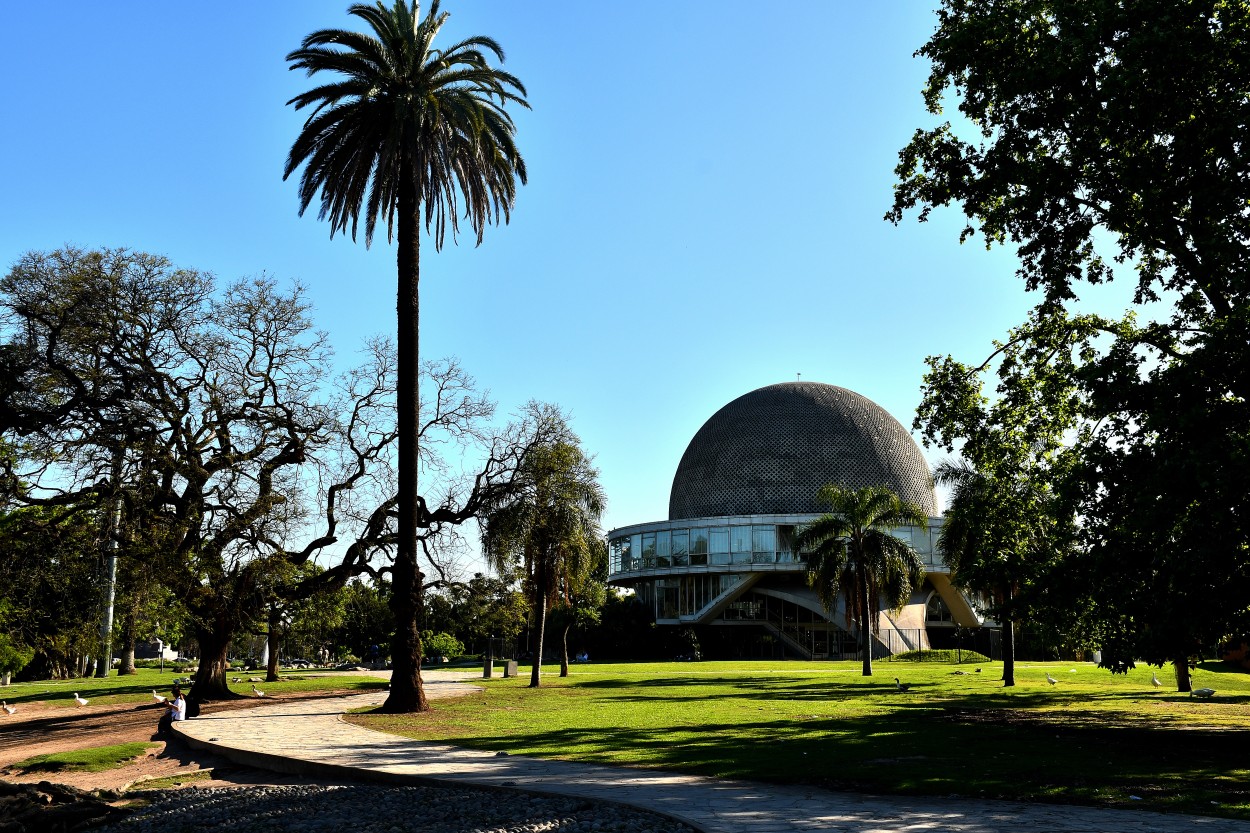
(1107, 143)
(548, 525)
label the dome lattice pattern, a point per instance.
(770, 451)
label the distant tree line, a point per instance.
(195, 433)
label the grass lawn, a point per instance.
(1092, 738)
(171, 781)
(96, 759)
(137, 688)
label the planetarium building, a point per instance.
(726, 557)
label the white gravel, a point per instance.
(368, 808)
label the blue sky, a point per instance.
(704, 212)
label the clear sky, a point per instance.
(703, 217)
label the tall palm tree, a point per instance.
(405, 129)
(852, 554)
(550, 525)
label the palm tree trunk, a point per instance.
(564, 650)
(536, 670)
(865, 626)
(407, 694)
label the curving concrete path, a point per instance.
(309, 737)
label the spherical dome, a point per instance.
(769, 452)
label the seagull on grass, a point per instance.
(1204, 693)
(1154, 679)
(257, 692)
(160, 698)
(1050, 679)
(7, 708)
(901, 686)
(79, 701)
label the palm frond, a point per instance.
(404, 109)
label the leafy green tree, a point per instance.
(1006, 530)
(220, 404)
(404, 129)
(548, 525)
(14, 656)
(48, 585)
(441, 644)
(482, 608)
(580, 608)
(852, 554)
(1110, 133)
(367, 619)
(999, 537)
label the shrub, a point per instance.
(441, 645)
(944, 655)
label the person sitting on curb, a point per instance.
(177, 710)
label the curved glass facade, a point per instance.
(732, 543)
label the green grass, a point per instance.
(96, 759)
(170, 781)
(1093, 738)
(137, 689)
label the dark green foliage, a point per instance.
(479, 609)
(943, 655)
(1114, 133)
(48, 591)
(367, 620)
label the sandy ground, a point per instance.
(45, 728)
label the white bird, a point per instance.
(234, 679)
(960, 673)
(1204, 693)
(7, 708)
(253, 679)
(1050, 679)
(1154, 680)
(901, 686)
(160, 698)
(79, 701)
(257, 692)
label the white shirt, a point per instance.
(179, 708)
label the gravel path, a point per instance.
(368, 808)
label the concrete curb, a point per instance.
(296, 766)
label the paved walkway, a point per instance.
(309, 737)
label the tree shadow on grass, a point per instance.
(989, 754)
